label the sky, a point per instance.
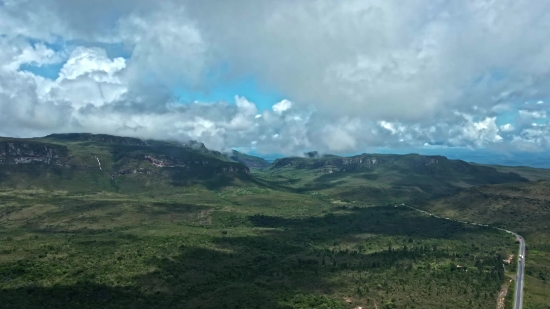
(467, 79)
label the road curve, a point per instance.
(518, 297)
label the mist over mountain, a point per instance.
(338, 78)
(274, 154)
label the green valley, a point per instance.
(168, 225)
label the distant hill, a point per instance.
(522, 207)
(377, 177)
(248, 160)
(72, 161)
(530, 173)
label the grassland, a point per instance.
(237, 248)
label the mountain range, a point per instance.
(81, 161)
(101, 221)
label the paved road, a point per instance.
(518, 298)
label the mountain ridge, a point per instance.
(248, 160)
(169, 163)
(101, 161)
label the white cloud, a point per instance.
(282, 106)
(532, 114)
(507, 128)
(247, 112)
(356, 74)
(92, 61)
(87, 77)
(166, 44)
(476, 133)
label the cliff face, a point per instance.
(29, 153)
(123, 153)
(364, 160)
(227, 167)
(332, 162)
(413, 162)
(103, 138)
(91, 162)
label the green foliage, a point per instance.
(522, 208)
(191, 229)
(381, 178)
(127, 164)
(509, 300)
(109, 250)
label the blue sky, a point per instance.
(247, 87)
(218, 90)
(264, 98)
(360, 83)
(224, 89)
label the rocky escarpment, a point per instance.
(130, 141)
(331, 163)
(227, 167)
(411, 162)
(16, 152)
(88, 162)
(103, 138)
(364, 160)
(125, 153)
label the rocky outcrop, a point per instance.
(233, 169)
(15, 152)
(368, 161)
(173, 162)
(126, 155)
(330, 162)
(111, 139)
(226, 167)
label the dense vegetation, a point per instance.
(167, 225)
(206, 250)
(379, 178)
(524, 208)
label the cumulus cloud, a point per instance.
(88, 77)
(532, 114)
(356, 74)
(507, 128)
(477, 132)
(84, 61)
(282, 106)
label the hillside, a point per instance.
(531, 173)
(72, 162)
(521, 207)
(248, 160)
(102, 162)
(381, 177)
(169, 225)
